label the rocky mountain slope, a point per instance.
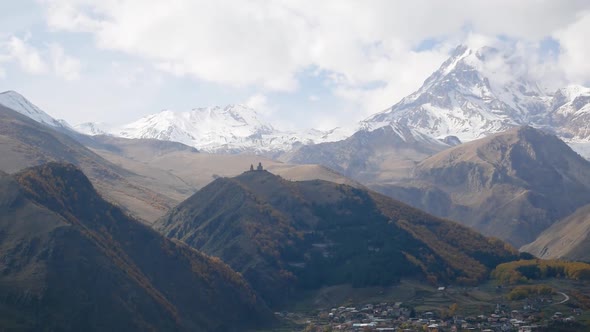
(286, 236)
(383, 154)
(478, 92)
(570, 113)
(569, 238)
(71, 261)
(511, 185)
(25, 142)
(469, 97)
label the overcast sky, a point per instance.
(301, 63)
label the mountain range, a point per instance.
(475, 93)
(145, 177)
(159, 225)
(503, 179)
(228, 129)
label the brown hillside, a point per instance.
(25, 143)
(72, 261)
(511, 185)
(285, 236)
(569, 238)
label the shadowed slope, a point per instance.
(72, 261)
(284, 236)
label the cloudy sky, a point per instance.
(300, 63)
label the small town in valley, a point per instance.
(552, 312)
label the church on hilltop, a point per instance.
(258, 168)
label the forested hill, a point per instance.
(70, 261)
(284, 235)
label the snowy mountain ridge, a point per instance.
(474, 93)
(18, 103)
(92, 128)
(227, 129)
(570, 113)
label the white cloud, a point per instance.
(403, 78)
(369, 53)
(130, 76)
(259, 102)
(20, 51)
(224, 43)
(64, 66)
(575, 49)
(66, 15)
(36, 61)
(367, 48)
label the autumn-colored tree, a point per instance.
(453, 309)
(310, 328)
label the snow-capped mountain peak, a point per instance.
(460, 53)
(206, 126)
(223, 129)
(568, 94)
(474, 93)
(92, 128)
(20, 104)
(569, 113)
(242, 118)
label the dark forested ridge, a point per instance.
(72, 261)
(283, 236)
